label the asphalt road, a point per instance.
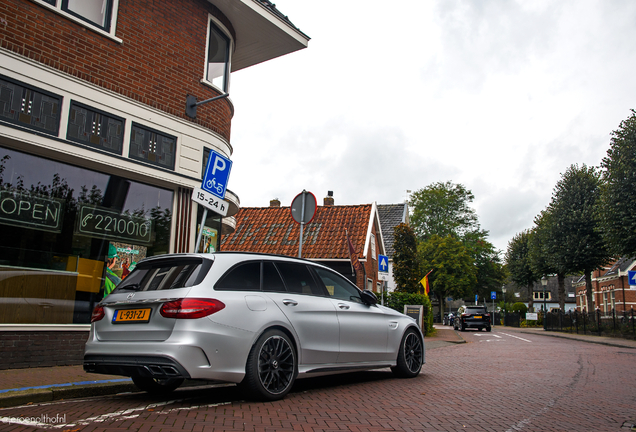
(498, 381)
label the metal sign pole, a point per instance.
(205, 216)
(302, 225)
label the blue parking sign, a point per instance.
(217, 174)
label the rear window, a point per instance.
(475, 310)
(157, 275)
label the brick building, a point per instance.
(611, 289)
(273, 230)
(99, 153)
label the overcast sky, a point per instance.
(501, 96)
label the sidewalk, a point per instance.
(34, 385)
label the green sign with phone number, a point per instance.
(105, 223)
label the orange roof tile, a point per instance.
(272, 230)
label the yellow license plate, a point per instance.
(477, 316)
(131, 315)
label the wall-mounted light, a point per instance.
(192, 104)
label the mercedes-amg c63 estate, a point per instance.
(257, 320)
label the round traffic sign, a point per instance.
(303, 207)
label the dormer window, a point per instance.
(218, 62)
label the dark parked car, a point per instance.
(472, 316)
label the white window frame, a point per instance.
(110, 33)
(373, 247)
(221, 27)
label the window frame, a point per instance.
(155, 132)
(214, 22)
(109, 31)
(102, 113)
(42, 92)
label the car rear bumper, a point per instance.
(476, 324)
(159, 367)
(164, 360)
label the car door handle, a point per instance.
(288, 302)
(343, 306)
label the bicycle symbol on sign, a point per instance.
(213, 184)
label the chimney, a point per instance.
(274, 203)
(328, 201)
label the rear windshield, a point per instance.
(475, 310)
(165, 274)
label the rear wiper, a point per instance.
(131, 287)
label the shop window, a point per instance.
(95, 128)
(97, 13)
(30, 107)
(152, 146)
(68, 230)
(218, 58)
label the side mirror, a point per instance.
(368, 298)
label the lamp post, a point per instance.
(503, 290)
(544, 282)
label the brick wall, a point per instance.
(160, 61)
(21, 349)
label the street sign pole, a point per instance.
(302, 227)
(203, 219)
(303, 210)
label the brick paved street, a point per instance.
(499, 381)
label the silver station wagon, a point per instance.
(257, 320)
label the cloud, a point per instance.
(500, 95)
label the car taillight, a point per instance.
(98, 313)
(190, 308)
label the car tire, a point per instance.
(271, 367)
(488, 328)
(155, 385)
(410, 355)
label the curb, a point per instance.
(461, 339)
(588, 339)
(23, 397)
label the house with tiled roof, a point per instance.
(391, 215)
(272, 230)
(611, 288)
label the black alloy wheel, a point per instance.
(271, 367)
(410, 355)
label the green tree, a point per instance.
(575, 243)
(443, 209)
(542, 260)
(491, 273)
(518, 262)
(454, 273)
(406, 271)
(617, 204)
